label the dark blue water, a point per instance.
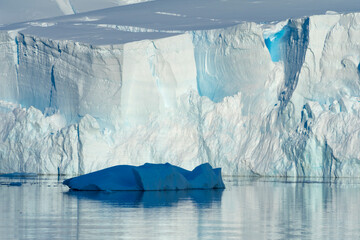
(250, 208)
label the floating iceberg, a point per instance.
(148, 177)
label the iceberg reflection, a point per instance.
(150, 199)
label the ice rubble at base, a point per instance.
(148, 177)
(278, 100)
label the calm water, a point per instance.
(250, 208)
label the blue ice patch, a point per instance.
(274, 42)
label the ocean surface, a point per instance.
(40, 207)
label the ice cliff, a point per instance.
(279, 99)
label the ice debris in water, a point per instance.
(148, 177)
(15, 184)
(19, 175)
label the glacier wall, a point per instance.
(269, 99)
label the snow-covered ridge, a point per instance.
(23, 10)
(135, 29)
(279, 100)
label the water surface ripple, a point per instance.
(249, 208)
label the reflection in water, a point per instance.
(249, 208)
(148, 199)
(288, 208)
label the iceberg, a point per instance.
(148, 177)
(183, 86)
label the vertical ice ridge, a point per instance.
(80, 166)
(52, 77)
(163, 76)
(17, 61)
(330, 163)
(204, 152)
(294, 146)
(53, 86)
(294, 55)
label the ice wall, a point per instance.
(276, 99)
(61, 75)
(77, 79)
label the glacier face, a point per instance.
(278, 99)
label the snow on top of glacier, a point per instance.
(24, 10)
(162, 18)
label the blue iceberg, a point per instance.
(148, 177)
